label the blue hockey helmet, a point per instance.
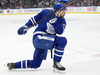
(59, 5)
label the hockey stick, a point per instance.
(47, 16)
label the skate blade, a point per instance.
(59, 71)
(5, 65)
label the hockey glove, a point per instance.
(21, 30)
(52, 17)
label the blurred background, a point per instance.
(19, 4)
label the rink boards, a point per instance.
(83, 12)
(70, 10)
(67, 13)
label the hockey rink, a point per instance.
(82, 53)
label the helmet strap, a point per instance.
(59, 14)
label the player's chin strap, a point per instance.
(59, 13)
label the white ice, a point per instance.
(82, 53)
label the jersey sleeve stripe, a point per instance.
(64, 25)
(33, 20)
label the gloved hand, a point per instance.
(21, 30)
(52, 17)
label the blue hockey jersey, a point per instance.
(45, 26)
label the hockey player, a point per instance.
(44, 38)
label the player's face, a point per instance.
(63, 12)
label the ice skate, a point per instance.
(11, 66)
(58, 67)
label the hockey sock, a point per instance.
(58, 53)
(35, 63)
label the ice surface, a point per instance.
(82, 53)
